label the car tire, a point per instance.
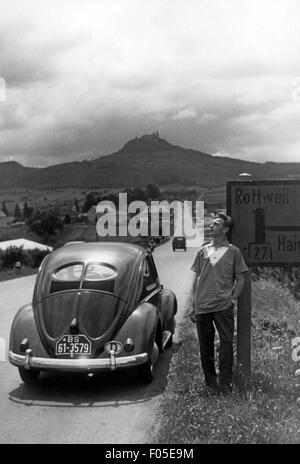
(29, 377)
(146, 372)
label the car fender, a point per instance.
(141, 328)
(168, 305)
(24, 326)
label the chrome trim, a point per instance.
(151, 295)
(166, 335)
(84, 365)
(28, 357)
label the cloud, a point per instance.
(187, 113)
(84, 77)
(206, 119)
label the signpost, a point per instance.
(266, 228)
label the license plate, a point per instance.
(73, 345)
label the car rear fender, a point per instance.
(24, 326)
(141, 328)
(168, 304)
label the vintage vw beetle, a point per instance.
(96, 306)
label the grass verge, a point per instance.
(270, 414)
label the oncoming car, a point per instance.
(179, 243)
(96, 307)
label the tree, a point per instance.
(90, 200)
(76, 204)
(17, 212)
(134, 194)
(4, 208)
(27, 211)
(46, 224)
(67, 219)
(152, 192)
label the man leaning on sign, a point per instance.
(219, 279)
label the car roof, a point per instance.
(125, 258)
(114, 253)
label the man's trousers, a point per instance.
(223, 321)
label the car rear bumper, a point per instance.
(76, 365)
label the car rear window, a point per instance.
(96, 277)
(97, 271)
(72, 272)
(66, 278)
(99, 277)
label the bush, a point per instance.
(45, 224)
(10, 256)
(31, 258)
(288, 277)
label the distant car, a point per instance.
(179, 243)
(96, 307)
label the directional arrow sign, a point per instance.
(266, 216)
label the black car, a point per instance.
(179, 243)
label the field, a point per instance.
(42, 199)
(47, 199)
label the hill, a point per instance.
(143, 160)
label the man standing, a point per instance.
(219, 279)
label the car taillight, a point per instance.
(24, 345)
(129, 345)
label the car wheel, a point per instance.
(146, 370)
(29, 377)
(146, 373)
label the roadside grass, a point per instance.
(269, 414)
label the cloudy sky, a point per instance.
(81, 78)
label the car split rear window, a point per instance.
(96, 276)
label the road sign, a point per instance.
(266, 217)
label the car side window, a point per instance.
(153, 267)
(149, 275)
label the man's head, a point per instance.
(221, 225)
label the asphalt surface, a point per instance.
(106, 409)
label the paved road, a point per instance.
(103, 409)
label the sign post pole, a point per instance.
(244, 335)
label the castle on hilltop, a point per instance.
(154, 135)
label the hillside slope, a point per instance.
(143, 160)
